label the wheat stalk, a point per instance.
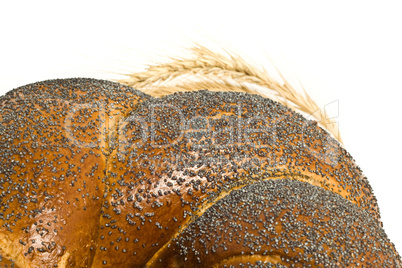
(214, 71)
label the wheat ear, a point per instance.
(215, 71)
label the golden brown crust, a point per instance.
(138, 181)
(184, 152)
(281, 222)
(54, 146)
(7, 262)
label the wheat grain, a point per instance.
(216, 71)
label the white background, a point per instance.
(349, 52)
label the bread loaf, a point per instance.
(97, 174)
